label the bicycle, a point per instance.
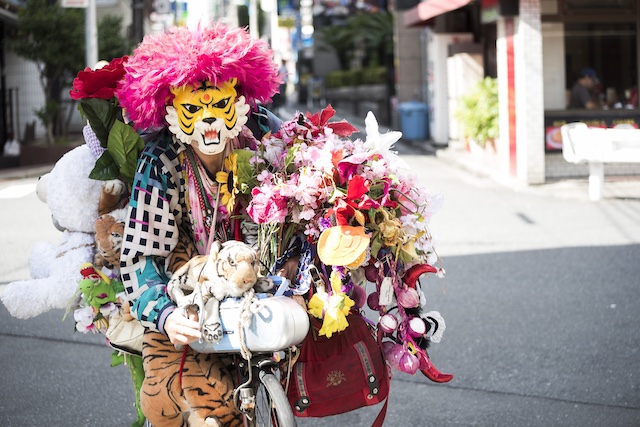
(276, 326)
(261, 398)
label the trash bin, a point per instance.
(413, 120)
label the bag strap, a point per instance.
(303, 402)
(383, 411)
(367, 368)
(381, 415)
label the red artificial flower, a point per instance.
(321, 119)
(385, 198)
(354, 201)
(101, 83)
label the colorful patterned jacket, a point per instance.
(157, 210)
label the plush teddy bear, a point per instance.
(74, 201)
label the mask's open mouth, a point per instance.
(211, 137)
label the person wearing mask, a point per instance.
(196, 95)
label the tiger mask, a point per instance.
(207, 116)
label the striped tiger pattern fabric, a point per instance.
(203, 397)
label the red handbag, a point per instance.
(339, 374)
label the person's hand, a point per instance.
(182, 330)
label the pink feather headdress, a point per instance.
(184, 56)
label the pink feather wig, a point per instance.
(183, 56)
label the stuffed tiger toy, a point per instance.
(184, 251)
(203, 395)
(198, 392)
(230, 270)
(109, 231)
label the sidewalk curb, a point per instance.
(24, 172)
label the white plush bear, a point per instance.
(73, 199)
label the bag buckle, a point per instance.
(374, 386)
(302, 404)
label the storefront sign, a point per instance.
(554, 121)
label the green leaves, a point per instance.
(245, 172)
(289, 161)
(371, 31)
(105, 168)
(478, 113)
(121, 158)
(101, 115)
(125, 145)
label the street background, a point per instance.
(541, 302)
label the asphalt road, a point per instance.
(541, 301)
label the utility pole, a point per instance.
(253, 19)
(137, 20)
(91, 34)
(90, 28)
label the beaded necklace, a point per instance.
(203, 213)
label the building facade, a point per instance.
(537, 49)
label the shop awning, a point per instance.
(428, 9)
(9, 13)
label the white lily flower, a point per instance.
(382, 143)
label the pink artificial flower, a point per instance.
(267, 206)
(385, 199)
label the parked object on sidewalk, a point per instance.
(414, 120)
(597, 146)
(11, 146)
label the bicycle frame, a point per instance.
(261, 398)
(244, 394)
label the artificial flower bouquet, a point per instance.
(353, 205)
(120, 143)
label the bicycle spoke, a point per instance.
(265, 412)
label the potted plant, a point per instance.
(477, 114)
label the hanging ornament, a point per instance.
(409, 363)
(373, 301)
(388, 323)
(408, 297)
(417, 327)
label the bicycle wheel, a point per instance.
(272, 407)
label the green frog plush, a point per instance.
(96, 288)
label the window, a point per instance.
(610, 49)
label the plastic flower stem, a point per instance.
(395, 190)
(402, 327)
